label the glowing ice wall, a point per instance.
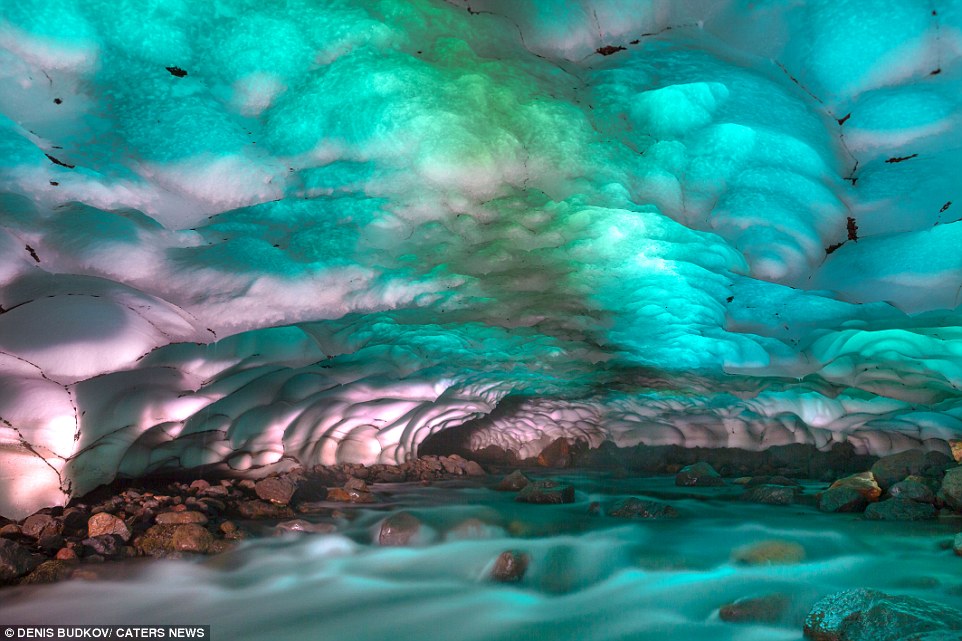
(255, 235)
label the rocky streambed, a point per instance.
(409, 550)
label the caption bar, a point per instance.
(104, 632)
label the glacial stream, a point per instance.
(591, 576)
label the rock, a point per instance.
(557, 454)
(451, 464)
(300, 525)
(104, 523)
(546, 493)
(161, 540)
(262, 510)
(15, 560)
(399, 529)
(899, 510)
(311, 490)
(956, 446)
(199, 485)
(698, 475)
(891, 469)
(510, 567)
(191, 537)
(276, 489)
(914, 488)
(957, 544)
(770, 494)
(634, 508)
(51, 542)
(174, 518)
(771, 480)
(342, 495)
(769, 553)
(764, 609)
(841, 499)
(49, 572)
(75, 522)
(10, 531)
(869, 615)
(109, 546)
(472, 468)
(864, 483)
(66, 554)
(513, 482)
(39, 525)
(356, 484)
(951, 490)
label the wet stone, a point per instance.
(263, 510)
(951, 491)
(864, 483)
(774, 552)
(699, 475)
(300, 525)
(635, 508)
(869, 615)
(770, 494)
(764, 609)
(546, 493)
(10, 531)
(512, 482)
(342, 495)
(39, 525)
(108, 546)
(913, 488)
(105, 523)
(510, 567)
(891, 469)
(899, 510)
(841, 499)
(49, 572)
(276, 489)
(174, 518)
(15, 560)
(399, 529)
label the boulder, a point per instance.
(698, 475)
(891, 469)
(513, 482)
(557, 454)
(764, 609)
(161, 540)
(49, 572)
(399, 529)
(864, 483)
(775, 552)
(771, 494)
(634, 508)
(914, 488)
(104, 523)
(870, 615)
(510, 567)
(546, 493)
(841, 499)
(899, 510)
(951, 490)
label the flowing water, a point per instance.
(591, 577)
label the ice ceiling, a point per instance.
(251, 234)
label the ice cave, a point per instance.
(542, 319)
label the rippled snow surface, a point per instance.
(591, 577)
